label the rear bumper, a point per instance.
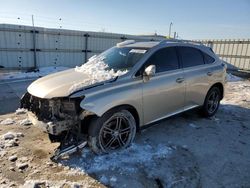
(54, 128)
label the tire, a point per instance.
(114, 130)
(212, 102)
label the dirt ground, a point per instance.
(182, 151)
(35, 149)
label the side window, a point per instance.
(208, 59)
(191, 56)
(164, 59)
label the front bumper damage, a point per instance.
(53, 116)
(51, 127)
(60, 119)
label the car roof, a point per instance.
(151, 44)
(147, 45)
(176, 42)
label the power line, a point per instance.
(65, 23)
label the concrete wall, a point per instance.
(24, 46)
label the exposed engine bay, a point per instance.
(61, 118)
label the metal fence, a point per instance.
(235, 52)
(25, 47)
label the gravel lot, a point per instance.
(182, 151)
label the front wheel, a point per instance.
(114, 130)
(212, 102)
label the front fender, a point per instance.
(104, 101)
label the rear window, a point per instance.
(190, 56)
(208, 59)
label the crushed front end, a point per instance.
(53, 116)
(59, 117)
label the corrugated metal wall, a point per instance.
(235, 52)
(58, 47)
(53, 47)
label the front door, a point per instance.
(163, 94)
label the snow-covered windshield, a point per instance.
(110, 64)
(121, 58)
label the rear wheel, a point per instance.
(212, 102)
(114, 130)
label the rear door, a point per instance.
(197, 75)
(163, 94)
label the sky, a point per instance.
(192, 19)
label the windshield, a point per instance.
(110, 64)
(121, 58)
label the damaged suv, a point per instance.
(108, 99)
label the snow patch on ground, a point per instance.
(126, 160)
(214, 118)
(193, 125)
(7, 121)
(25, 122)
(54, 184)
(103, 179)
(97, 71)
(9, 139)
(40, 72)
(20, 111)
(237, 87)
(233, 78)
(11, 135)
(8, 136)
(139, 165)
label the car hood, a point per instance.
(57, 84)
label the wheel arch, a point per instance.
(86, 122)
(220, 86)
(204, 107)
(131, 109)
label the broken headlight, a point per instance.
(71, 106)
(68, 106)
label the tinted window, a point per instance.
(191, 56)
(164, 60)
(208, 59)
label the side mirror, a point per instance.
(149, 71)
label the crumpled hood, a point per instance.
(57, 84)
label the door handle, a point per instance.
(209, 73)
(179, 80)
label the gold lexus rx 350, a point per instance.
(126, 88)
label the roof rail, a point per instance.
(126, 42)
(183, 41)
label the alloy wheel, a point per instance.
(213, 102)
(117, 132)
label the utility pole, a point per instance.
(34, 40)
(170, 26)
